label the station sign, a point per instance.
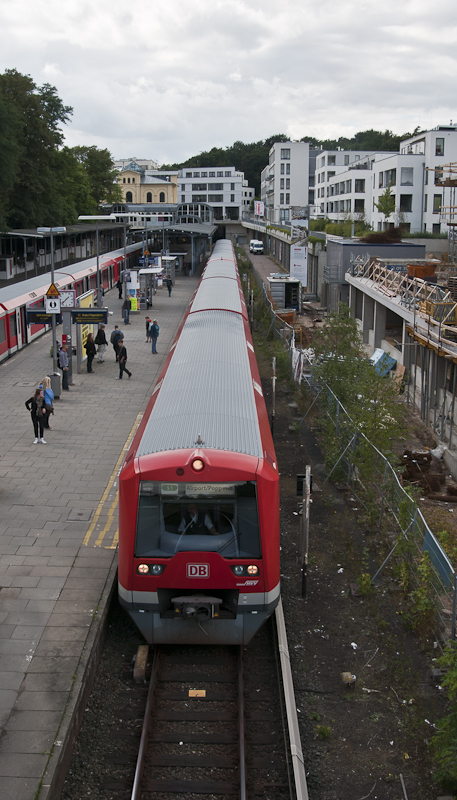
(89, 316)
(53, 305)
(42, 318)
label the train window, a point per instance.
(175, 517)
(13, 327)
(2, 330)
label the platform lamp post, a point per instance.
(51, 231)
(94, 218)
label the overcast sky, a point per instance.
(167, 80)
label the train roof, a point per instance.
(219, 293)
(220, 267)
(211, 352)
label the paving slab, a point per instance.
(56, 572)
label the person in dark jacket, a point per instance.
(195, 520)
(119, 288)
(122, 360)
(100, 341)
(115, 337)
(90, 350)
(169, 286)
(37, 409)
(126, 308)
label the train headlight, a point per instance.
(150, 569)
(238, 570)
(198, 464)
(241, 569)
(253, 570)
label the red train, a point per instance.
(199, 488)
(29, 294)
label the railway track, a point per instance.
(218, 723)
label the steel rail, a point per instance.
(241, 727)
(142, 750)
(289, 695)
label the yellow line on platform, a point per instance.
(105, 495)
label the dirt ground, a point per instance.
(359, 740)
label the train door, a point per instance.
(20, 328)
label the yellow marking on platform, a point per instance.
(106, 493)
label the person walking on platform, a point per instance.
(37, 410)
(90, 351)
(100, 341)
(169, 286)
(126, 308)
(119, 288)
(123, 360)
(63, 364)
(114, 339)
(154, 329)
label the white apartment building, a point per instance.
(351, 183)
(144, 163)
(223, 188)
(285, 180)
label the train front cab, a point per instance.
(200, 588)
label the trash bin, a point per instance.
(55, 383)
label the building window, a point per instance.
(128, 197)
(196, 174)
(199, 198)
(330, 174)
(331, 161)
(287, 199)
(407, 174)
(359, 185)
(123, 180)
(188, 174)
(211, 174)
(437, 201)
(133, 180)
(149, 197)
(282, 169)
(406, 202)
(436, 227)
(215, 198)
(281, 198)
(391, 177)
(232, 187)
(359, 205)
(183, 198)
(439, 147)
(282, 183)
(438, 176)
(199, 187)
(162, 197)
(220, 174)
(128, 180)
(425, 202)
(348, 205)
(346, 160)
(228, 174)
(232, 198)
(287, 169)
(349, 186)
(204, 174)
(381, 180)
(216, 187)
(287, 183)
(285, 153)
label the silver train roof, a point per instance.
(207, 391)
(210, 295)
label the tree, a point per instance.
(386, 203)
(102, 176)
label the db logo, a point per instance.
(198, 570)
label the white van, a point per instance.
(256, 246)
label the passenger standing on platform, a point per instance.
(114, 339)
(35, 405)
(48, 401)
(154, 330)
(122, 360)
(169, 286)
(119, 288)
(148, 332)
(90, 351)
(126, 308)
(100, 341)
(63, 363)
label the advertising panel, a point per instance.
(259, 208)
(299, 263)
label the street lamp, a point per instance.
(51, 231)
(95, 219)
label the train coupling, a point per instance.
(197, 606)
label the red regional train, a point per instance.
(28, 295)
(199, 487)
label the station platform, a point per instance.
(58, 538)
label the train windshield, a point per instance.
(217, 517)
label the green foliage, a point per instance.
(41, 182)
(423, 609)
(323, 731)
(341, 228)
(364, 581)
(444, 742)
(386, 204)
(364, 140)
